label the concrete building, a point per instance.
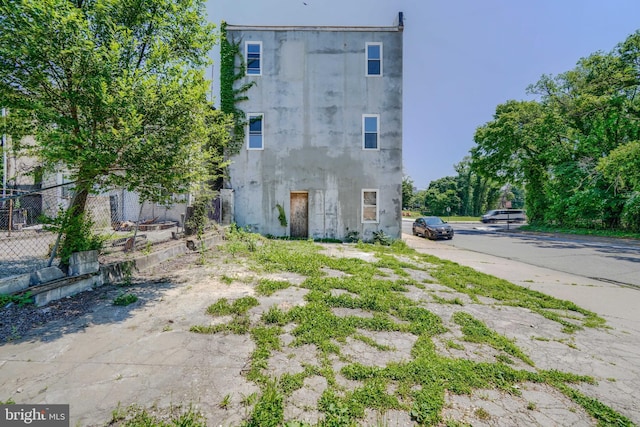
(322, 155)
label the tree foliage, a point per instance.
(113, 91)
(407, 192)
(575, 148)
(466, 194)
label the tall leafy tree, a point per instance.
(515, 148)
(442, 194)
(407, 192)
(113, 90)
(477, 193)
(573, 146)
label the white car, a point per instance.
(507, 215)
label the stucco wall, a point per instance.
(313, 92)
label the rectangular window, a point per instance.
(253, 56)
(370, 206)
(370, 131)
(256, 138)
(374, 59)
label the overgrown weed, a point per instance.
(419, 385)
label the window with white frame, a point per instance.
(370, 131)
(256, 131)
(370, 206)
(374, 59)
(253, 55)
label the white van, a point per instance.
(507, 215)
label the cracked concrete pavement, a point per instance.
(145, 354)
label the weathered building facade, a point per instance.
(322, 155)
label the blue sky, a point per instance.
(461, 57)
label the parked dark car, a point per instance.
(432, 227)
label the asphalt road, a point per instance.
(615, 261)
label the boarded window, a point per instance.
(370, 206)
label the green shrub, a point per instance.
(125, 299)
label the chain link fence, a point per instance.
(124, 222)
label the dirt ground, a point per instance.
(94, 355)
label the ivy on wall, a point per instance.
(230, 73)
(282, 216)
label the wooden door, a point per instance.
(299, 214)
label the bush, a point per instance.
(125, 299)
(77, 233)
(198, 220)
(631, 213)
(381, 238)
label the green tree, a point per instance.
(113, 90)
(556, 146)
(477, 193)
(621, 168)
(407, 192)
(442, 194)
(515, 148)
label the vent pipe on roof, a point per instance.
(401, 20)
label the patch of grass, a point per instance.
(240, 242)
(476, 331)
(275, 316)
(300, 257)
(269, 287)
(418, 385)
(225, 402)
(250, 399)
(339, 411)
(239, 306)
(503, 358)
(125, 299)
(21, 300)
(581, 231)
(474, 283)
(269, 411)
(454, 345)
(137, 416)
(482, 414)
(288, 383)
(605, 415)
(267, 339)
(440, 300)
(239, 325)
(569, 343)
(422, 320)
(372, 342)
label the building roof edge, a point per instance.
(231, 27)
